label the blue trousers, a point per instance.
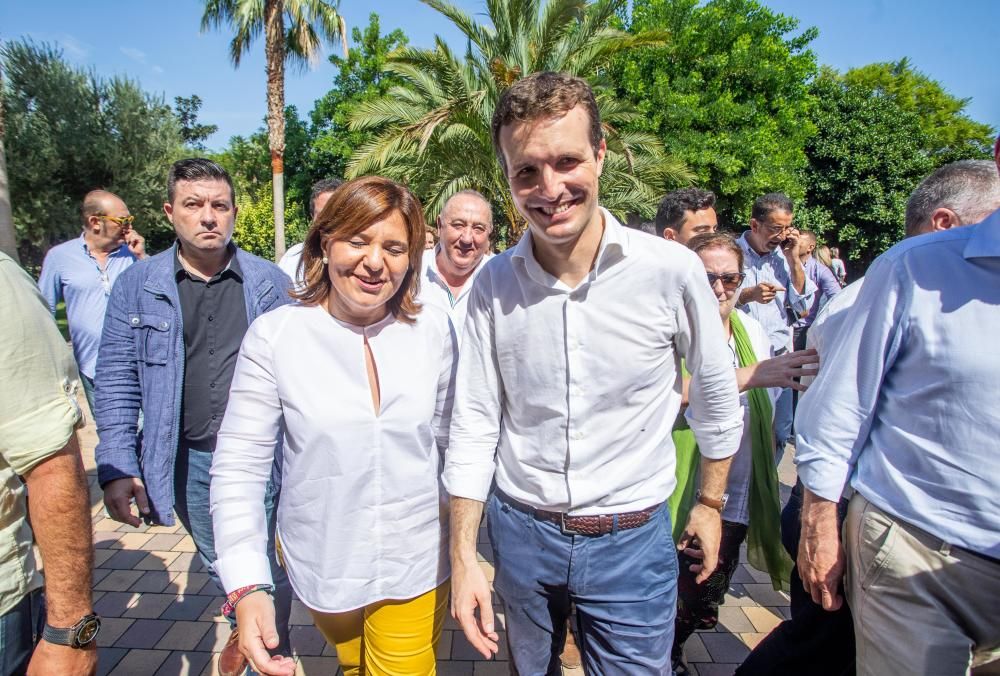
(191, 503)
(20, 629)
(623, 584)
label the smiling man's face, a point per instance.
(553, 173)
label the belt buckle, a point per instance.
(566, 530)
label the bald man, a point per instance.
(83, 270)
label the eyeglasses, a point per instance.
(124, 220)
(776, 229)
(730, 280)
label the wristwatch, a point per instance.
(80, 635)
(717, 505)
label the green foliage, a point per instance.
(361, 77)
(951, 134)
(866, 157)
(727, 94)
(193, 132)
(68, 132)
(255, 221)
(432, 131)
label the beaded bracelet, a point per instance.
(234, 597)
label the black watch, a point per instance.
(80, 635)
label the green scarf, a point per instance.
(764, 549)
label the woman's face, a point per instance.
(367, 270)
(724, 276)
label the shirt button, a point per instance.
(163, 325)
(211, 351)
(577, 436)
(212, 385)
(214, 416)
(135, 320)
(211, 317)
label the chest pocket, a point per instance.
(152, 337)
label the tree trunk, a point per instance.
(274, 35)
(8, 238)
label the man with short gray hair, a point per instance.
(959, 193)
(450, 268)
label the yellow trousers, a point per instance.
(388, 638)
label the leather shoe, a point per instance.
(231, 661)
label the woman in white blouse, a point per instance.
(354, 382)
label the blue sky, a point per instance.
(158, 43)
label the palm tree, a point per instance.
(308, 21)
(433, 131)
(8, 238)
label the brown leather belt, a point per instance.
(592, 525)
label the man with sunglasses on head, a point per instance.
(775, 279)
(82, 272)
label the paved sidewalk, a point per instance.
(161, 612)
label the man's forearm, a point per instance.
(798, 274)
(714, 476)
(59, 506)
(466, 515)
(819, 515)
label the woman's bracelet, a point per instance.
(234, 597)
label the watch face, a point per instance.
(88, 631)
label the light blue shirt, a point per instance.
(912, 410)
(773, 269)
(71, 273)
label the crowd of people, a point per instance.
(614, 401)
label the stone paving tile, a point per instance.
(143, 634)
(724, 647)
(140, 662)
(186, 561)
(191, 583)
(186, 663)
(316, 666)
(131, 541)
(155, 560)
(215, 638)
(454, 669)
(150, 605)
(164, 541)
(737, 596)
(111, 630)
(763, 619)
(114, 604)
(443, 651)
(104, 524)
(185, 544)
(141, 528)
(491, 669)
(751, 639)
(765, 595)
(189, 607)
(98, 575)
(105, 539)
(695, 650)
(709, 669)
(300, 614)
(118, 580)
(108, 658)
(124, 559)
(155, 581)
(734, 620)
(307, 641)
(184, 636)
(102, 555)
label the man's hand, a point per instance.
(118, 495)
(790, 245)
(779, 371)
(470, 590)
(762, 293)
(703, 532)
(49, 658)
(258, 634)
(136, 244)
(821, 558)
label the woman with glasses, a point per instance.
(751, 508)
(355, 383)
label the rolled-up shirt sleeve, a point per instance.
(800, 302)
(833, 420)
(241, 465)
(714, 412)
(475, 424)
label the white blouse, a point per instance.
(362, 515)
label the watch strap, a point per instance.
(86, 628)
(59, 635)
(718, 504)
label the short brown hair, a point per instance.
(353, 208)
(717, 240)
(545, 95)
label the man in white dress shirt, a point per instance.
(569, 382)
(319, 196)
(450, 268)
(921, 545)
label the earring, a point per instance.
(326, 261)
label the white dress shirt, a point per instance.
(289, 263)
(738, 487)
(434, 290)
(569, 395)
(917, 386)
(829, 319)
(360, 516)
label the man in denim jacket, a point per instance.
(171, 336)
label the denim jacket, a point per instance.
(140, 365)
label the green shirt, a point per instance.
(38, 413)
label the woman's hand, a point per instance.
(258, 634)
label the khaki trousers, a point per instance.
(920, 606)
